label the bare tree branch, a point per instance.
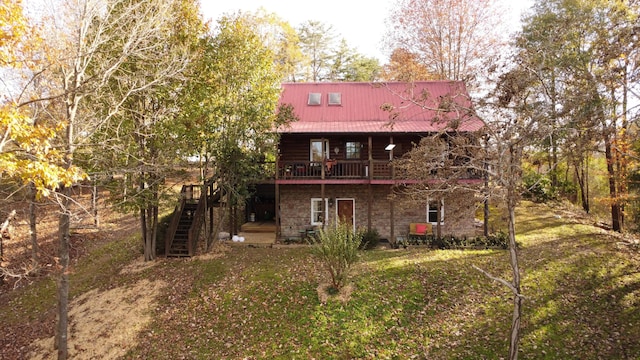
(501, 281)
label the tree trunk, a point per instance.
(514, 339)
(514, 177)
(63, 284)
(230, 214)
(553, 142)
(583, 190)
(151, 227)
(485, 166)
(143, 232)
(439, 220)
(33, 233)
(581, 176)
(3, 228)
(154, 242)
(616, 223)
(94, 204)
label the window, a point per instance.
(335, 99)
(318, 213)
(353, 150)
(316, 148)
(432, 212)
(314, 99)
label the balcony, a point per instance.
(340, 171)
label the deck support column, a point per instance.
(391, 201)
(369, 206)
(370, 189)
(277, 210)
(391, 219)
(325, 206)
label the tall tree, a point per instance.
(317, 41)
(454, 39)
(515, 128)
(444, 160)
(347, 64)
(27, 147)
(363, 68)
(78, 30)
(405, 66)
(233, 105)
(584, 54)
(282, 39)
(136, 134)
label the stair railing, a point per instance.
(198, 218)
(175, 220)
(190, 194)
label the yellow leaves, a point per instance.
(12, 28)
(26, 153)
(18, 38)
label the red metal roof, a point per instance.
(394, 107)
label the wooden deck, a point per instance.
(259, 227)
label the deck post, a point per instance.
(278, 230)
(370, 158)
(325, 206)
(391, 219)
(370, 189)
(369, 205)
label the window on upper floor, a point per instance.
(353, 150)
(316, 150)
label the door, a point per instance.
(346, 211)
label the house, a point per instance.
(334, 162)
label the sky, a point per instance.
(360, 22)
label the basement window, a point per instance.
(314, 99)
(318, 213)
(335, 99)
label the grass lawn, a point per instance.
(582, 294)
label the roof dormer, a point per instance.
(334, 98)
(315, 99)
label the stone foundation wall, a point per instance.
(295, 209)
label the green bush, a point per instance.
(337, 249)
(499, 239)
(496, 240)
(370, 239)
(537, 187)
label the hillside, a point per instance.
(581, 284)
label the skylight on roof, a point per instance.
(314, 99)
(335, 99)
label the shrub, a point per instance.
(496, 240)
(370, 239)
(499, 239)
(337, 249)
(537, 187)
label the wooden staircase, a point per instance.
(180, 244)
(188, 217)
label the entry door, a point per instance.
(346, 210)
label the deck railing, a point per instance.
(345, 169)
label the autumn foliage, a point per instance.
(26, 148)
